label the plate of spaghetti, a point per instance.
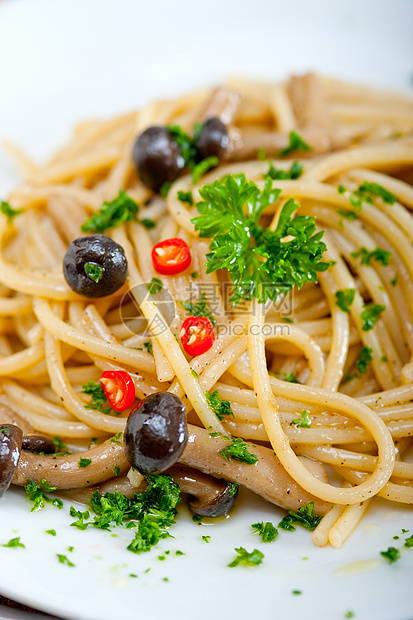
(206, 375)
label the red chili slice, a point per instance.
(119, 389)
(171, 256)
(197, 335)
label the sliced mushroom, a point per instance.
(209, 497)
(38, 443)
(10, 445)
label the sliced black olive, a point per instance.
(95, 266)
(38, 443)
(213, 140)
(157, 158)
(10, 445)
(156, 433)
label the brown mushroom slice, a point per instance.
(223, 104)
(8, 416)
(245, 143)
(10, 445)
(209, 497)
(267, 477)
(38, 443)
(64, 472)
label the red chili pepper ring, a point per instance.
(119, 389)
(197, 335)
(171, 256)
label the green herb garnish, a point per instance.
(220, 407)
(199, 309)
(261, 263)
(409, 541)
(36, 494)
(94, 271)
(147, 223)
(186, 197)
(247, 559)
(112, 214)
(206, 538)
(365, 357)
(348, 215)
(374, 189)
(148, 346)
(154, 286)
(296, 144)
(392, 554)
(238, 451)
(345, 298)
(95, 390)
(304, 421)
(304, 517)
(266, 530)
(14, 542)
(378, 254)
(51, 532)
(370, 315)
(84, 462)
(294, 172)
(64, 560)
(9, 212)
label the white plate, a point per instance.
(63, 61)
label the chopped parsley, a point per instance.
(36, 494)
(348, 215)
(296, 144)
(220, 407)
(260, 262)
(296, 592)
(365, 357)
(116, 438)
(14, 542)
(304, 421)
(117, 470)
(206, 538)
(409, 541)
(304, 517)
(199, 309)
(178, 552)
(60, 445)
(233, 488)
(154, 286)
(112, 214)
(374, 189)
(345, 298)
(186, 197)
(64, 560)
(380, 255)
(194, 275)
(392, 554)
(203, 167)
(349, 614)
(238, 451)
(94, 271)
(288, 319)
(147, 223)
(51, 532)
(394, 281)
(247, 559)
(267, 531)
(84, 462)
(95, 390)
(150, 512)
(295, 171)
(9, 212)
(370, 315)
(148, 346)
(289, 378)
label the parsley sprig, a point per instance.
(379, 255)
(267, 531)
(304, 517)
(95, 390)
(261, 263)
(238, 451)
(247, 559)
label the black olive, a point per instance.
(156, 433)
(157, 158)
(213, 140)
(38, 443)
(95, 266)
(10, 445)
